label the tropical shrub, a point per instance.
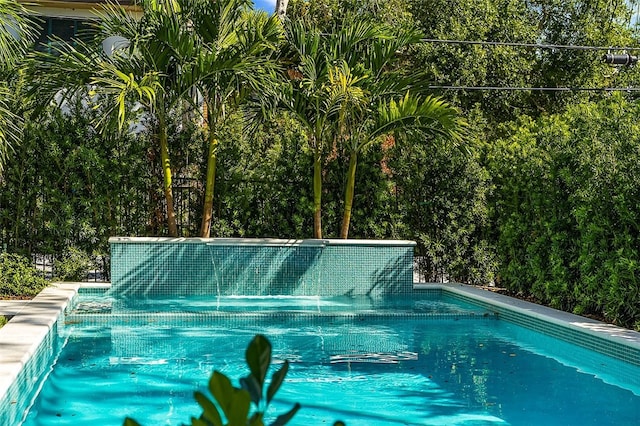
(68, 185)
(441, 193)
(263, 188)
(73, 265)
(566, 212)
(18, 277)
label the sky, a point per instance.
(266, 5)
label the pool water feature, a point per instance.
(418, 360)
(394, 304)
(259, 267)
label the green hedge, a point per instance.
(18, 278)
(567, 209)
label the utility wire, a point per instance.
(531, 45)
(540, 89)
(536, 46)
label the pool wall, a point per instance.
(256, 267)
(27, 344)
(607, 339)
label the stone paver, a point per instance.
(12, 307)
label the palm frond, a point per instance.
(16, 32)
(430, 116)
(9, 125)
(235, 58)
(345, 95)
(119, 88)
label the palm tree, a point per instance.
(428, 117)
(234, 62)
(345, 86)
(16, 34)
(372, 99)
(313, 55)
(180, 52)
(305, 97)
(143, 73)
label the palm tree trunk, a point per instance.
(166, 169)
(348, 195)
(317, 196)
(281, 8)
(207, 208)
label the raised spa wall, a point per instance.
(254, 267)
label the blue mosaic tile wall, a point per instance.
(306, 268)
(14, 405)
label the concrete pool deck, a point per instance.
(31, 331)
(30, 324)
(10, 308)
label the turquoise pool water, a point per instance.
(420, 361)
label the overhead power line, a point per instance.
(529, 45)
(540, 89)
(614, 59)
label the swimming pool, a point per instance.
(431, 358)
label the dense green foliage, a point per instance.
(18, 277)
(73, 265)
(567, 208)
(70, 186)
(264, 183)
(541, 198)
(441, 195)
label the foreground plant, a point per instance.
(232, 405)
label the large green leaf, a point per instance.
(251, 385)
(258, 356)
(276, 381)
(235, 403)
(209, 410)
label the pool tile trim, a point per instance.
(608, 339)
(143, 266)
(210, 318)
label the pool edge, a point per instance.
(611, 340)
(24, 336)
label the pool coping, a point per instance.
(12, 307)
(33, 320)
(30, 324)
(266, 242)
